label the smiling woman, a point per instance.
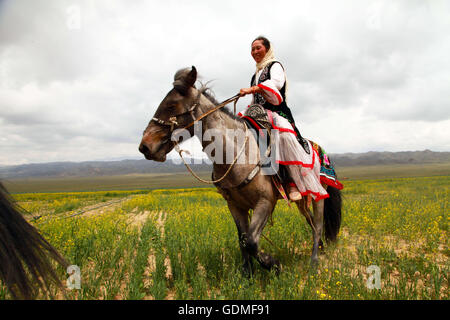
(269, 88)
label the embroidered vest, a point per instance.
(282, 109)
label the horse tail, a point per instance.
(332, 214)
(24, 252)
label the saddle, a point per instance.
(256, 118)
(258, 114)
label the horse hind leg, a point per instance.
(304, 209)
(315, 221)
(318, 208)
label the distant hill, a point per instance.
(93, 168)
(387, 158)
(108, 168)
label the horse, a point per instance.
(25, 255)
(242, 189)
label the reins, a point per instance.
(219, 106)
(180, 151)
(173, 122)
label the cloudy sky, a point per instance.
(79, 80)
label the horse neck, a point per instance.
(238, 146)
(218, 120)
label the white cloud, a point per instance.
(364, 75)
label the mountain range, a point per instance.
(106, 168)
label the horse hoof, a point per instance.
(314, 263)
(276, 267)
(321, 248)
(247, 271)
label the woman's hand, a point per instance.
(251, 90)
(245, 91)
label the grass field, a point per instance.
(182, 244)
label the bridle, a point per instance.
(172, 122)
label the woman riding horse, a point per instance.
(244, 187)
(269, 86)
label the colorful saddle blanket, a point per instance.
(328, 175)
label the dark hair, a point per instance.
(265, 41)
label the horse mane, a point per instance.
(209, 94)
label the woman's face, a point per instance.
(258, 50)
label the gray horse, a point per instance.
(241, 187)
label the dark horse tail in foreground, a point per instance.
(242, 183)
(25, 256)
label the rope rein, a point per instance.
(173, 120)
(180, 151)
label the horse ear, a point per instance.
(184, 80)
(191, 77)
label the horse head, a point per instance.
(174, 112)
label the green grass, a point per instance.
(394, 171)
(182, 244)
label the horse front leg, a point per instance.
(240, 217)
(259, 219)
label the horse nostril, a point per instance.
(143, 148)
